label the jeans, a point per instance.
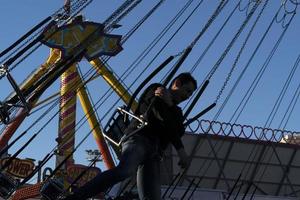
(140, 155)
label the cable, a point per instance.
(227, 49)
(268, 59)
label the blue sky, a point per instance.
(17, 17)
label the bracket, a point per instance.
(4, 107)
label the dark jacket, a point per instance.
(165, 123)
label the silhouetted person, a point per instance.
(142, 151)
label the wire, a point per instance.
(76, 8)
(229, 46)
(47, 123)
(268, 60)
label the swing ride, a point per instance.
(224, 44)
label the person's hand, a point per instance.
(184, 160)
(165, 95)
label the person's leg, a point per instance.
(148, 180)
(133, 153)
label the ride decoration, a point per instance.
(241, 131)
(68, 37)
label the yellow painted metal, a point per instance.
(67, 119)
(46, 100)
(113, 81)
(95, 127)
(11, 128)
(53, 58)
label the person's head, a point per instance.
(182, 87)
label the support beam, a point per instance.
(218, 161)
(67, 118)
(113, 82)
(255, 170)
(223, 164)
(286, 171)
(21, 115)
(95, 127)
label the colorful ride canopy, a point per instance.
(80, 35)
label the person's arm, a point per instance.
(162, 108)
(184, 160)
(175, 125)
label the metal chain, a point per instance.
(296, 2)
(61, 13)
(245, 8)
(215, 67)
(79, 9)
(239, 54)
(212, 18)
(117, 12)
(293, 10)
(129, 34)
(109, 27)
(58, 15)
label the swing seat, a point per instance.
(53, 189)
(115, 127)
(4, 113)
(117, 124)
(7, 185)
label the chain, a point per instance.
(212, 18)
(292, 10)
(125, 37)
(81, 7)
(61, 13)
(227, 50)
(117, 12)
(296, 2)
(78, 5)
(58, 16)
(214, 69)
(121, 16)
(179, 53)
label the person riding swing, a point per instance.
(141, 151)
